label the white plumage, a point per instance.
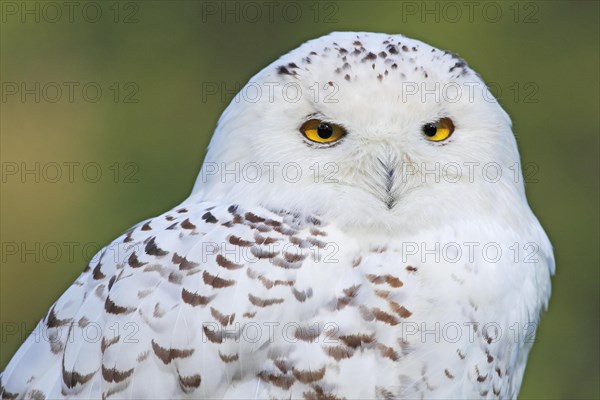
(361, 267)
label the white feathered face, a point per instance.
(366, 127)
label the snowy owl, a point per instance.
(359, 229)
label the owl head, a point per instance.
(367, 128)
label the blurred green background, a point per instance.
(140, 141)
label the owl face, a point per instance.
(364, 125)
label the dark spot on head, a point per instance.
(453, 56)
(282, 70)
(347, 77)
(414, 48)
(208, 217)
(459, 64)
(394, 66)
(369, 56)
(357, 43)
(382, 54)
(342, 50)
(404, 48)
(292, 65)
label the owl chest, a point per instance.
(418, 324)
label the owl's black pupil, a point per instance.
(430, 130)
(324, 130)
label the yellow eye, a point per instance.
(322, 132)
(438, 131)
